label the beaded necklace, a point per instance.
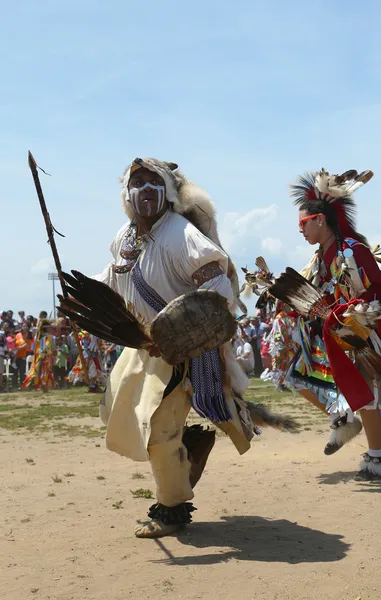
(131, 249)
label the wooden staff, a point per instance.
(50, 230)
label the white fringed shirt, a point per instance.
(167, 263)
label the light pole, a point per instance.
(54, 277)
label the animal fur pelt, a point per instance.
(199, 443)
(263, 417)
(187, 199)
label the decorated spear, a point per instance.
(50, 231)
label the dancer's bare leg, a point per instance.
(313, 399)
(370, 466)
(371, 420)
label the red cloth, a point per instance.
(365, 260)
(347, 378)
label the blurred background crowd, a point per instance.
(42, 353)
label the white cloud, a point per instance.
(43, 266)
(300, 255)
(238, 230)
(272, 245)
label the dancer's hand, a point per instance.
(154, 351)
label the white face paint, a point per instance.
(151, 211)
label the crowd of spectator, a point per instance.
(251, 346)
(17, 346)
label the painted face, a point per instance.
(309, 226)
(147, 193)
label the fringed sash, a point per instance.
(208, 398)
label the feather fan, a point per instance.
(102, 312)
(262, 264)
(293, 289)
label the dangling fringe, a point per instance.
(305, 346)
(208, 398)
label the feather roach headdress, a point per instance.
(332, 196)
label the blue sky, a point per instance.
(243, 96)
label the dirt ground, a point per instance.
(281, 522)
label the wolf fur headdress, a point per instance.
(187, 199)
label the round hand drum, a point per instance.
(192, 324)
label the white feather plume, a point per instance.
(337, 186)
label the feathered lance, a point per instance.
(50, 231)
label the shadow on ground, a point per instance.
(257, 539)
(338, 477)
(348, 477)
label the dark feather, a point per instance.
(293, 289)
(354, 340)
(71, 280)
(303, 189)
(263, 417)
(102, 312)
(97, 295)
(108, 320)
(351, 174)
(94, 328)
(107, 292)
(369, 362)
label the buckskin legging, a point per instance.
(167, 454)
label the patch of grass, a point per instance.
(51, 494)
(118, 505)
(101, 477)
(33, 418)
(9, 407)
(69, 474)
(26, 520)
(142, 493)
(57, 479)
(138, 475)
(65, 429)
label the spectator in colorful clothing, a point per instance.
(3, 351)
(60, 363)
(24, 345)
(244, 353)
(9, 319)
(259, 328)
(21, 317)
